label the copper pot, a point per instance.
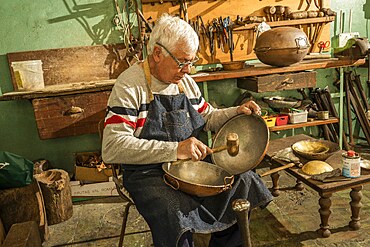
(197, 178)
(282, 46)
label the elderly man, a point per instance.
(155, 112)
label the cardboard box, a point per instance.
(92, 174)
(95, 189)
(86, 168)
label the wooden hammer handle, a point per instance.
(215, 150)
(219, 149)
(289, 165)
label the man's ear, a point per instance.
(157, 51)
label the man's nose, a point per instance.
(186, 68)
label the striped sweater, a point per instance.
(126, 114)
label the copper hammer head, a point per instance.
(232, 145)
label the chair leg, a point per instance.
(241, 208)
(124, 222)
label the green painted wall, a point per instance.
(45, 24)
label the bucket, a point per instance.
(28, 75)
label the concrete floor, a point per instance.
(290, 220)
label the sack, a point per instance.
(15, 171)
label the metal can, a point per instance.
(351, 164)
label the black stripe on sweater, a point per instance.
(128, 111)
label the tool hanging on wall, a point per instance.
(135, 45)
(318, 4)
(183, 10)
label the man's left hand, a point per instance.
(249, 108)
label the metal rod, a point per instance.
(350, 20)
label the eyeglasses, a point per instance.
(180, 65)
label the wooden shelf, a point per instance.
(257, 70)
(306, 124)
(287, 23)
(60, 90)
(263, 69)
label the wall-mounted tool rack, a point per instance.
(244, 34)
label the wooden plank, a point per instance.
(60, 90)
(76, 64)
(306, 124)
(244, 41)
(262, 69)
(257, 70)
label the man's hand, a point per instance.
(192, 148)
(249, 108)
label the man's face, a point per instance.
(167, 68)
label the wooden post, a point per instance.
(23, 204)
(23, 235)
(2, 233)
(56, 191)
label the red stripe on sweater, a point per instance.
(140, 122)
(118, 119)
(201, 109)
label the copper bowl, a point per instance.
(197, 178)
(234, 65)
(315, 149)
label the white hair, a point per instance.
(172, 32)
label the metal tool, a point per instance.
(289, 165)
(232, 147)
(323, 45)
(253, 138)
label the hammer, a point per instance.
(289, 165)
(232, 147)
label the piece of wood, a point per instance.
(278, 82)
(76, 64)
(69, 115)
(2, 233)
(306, 124)
(23, 204)
(262, 69)
(257, 70)
(57, 195)
(25, 234)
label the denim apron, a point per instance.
(168, 212)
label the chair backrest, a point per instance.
(122, 192)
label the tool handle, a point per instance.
(177, 162)
(289, 165)
(214, 150)
(219, 149)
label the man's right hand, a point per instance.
(192, 148)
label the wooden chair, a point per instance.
(122, 192)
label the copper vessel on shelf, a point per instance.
(282, 46)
